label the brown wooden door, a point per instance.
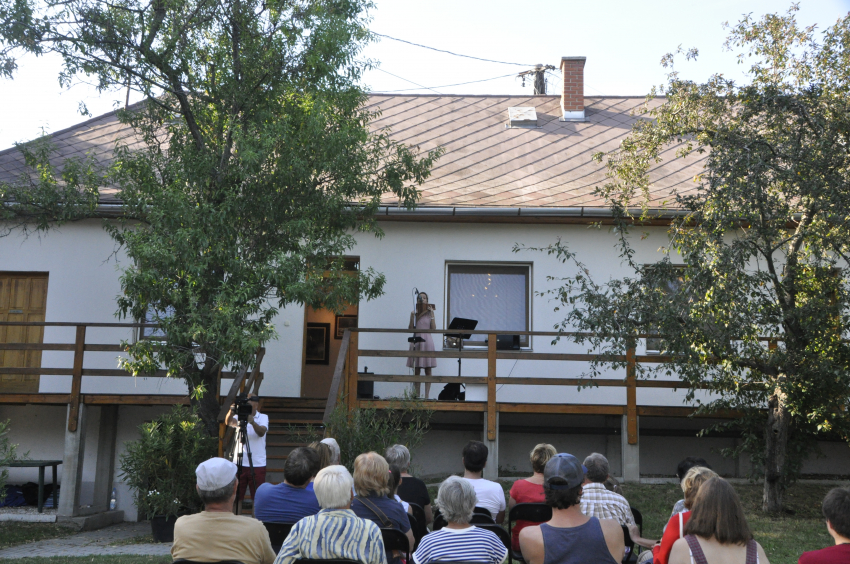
(23, 297)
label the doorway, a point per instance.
(23, 297)
(323, 332)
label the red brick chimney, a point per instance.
(572, 96)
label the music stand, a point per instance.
(461, 324)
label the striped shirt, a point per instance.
(333, 533)
(468, 545)
(597, 501)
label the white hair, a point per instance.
(332, 487)
(398, 455)
(334, 446)
(456, 499)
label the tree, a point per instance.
(251, 167)
(752, 296)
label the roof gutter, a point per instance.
(445, 212)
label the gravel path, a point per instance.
(92, 543)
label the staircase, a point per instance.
(289, 419)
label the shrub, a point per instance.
(7, 455)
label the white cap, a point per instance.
(334, 446)
(214, 474)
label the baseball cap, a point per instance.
(214, 474)
(563, 467)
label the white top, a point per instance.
(402, 502)
(256, 442)
(490, 495)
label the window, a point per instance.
(154, 333)
(669, 288)
(497, 296)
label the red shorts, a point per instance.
(245, 479)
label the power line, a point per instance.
(449, 52)
(446, 85)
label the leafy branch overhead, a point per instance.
(751, 295)
(241, 179)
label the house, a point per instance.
(517, 170)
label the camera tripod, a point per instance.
(243, 446)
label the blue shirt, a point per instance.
(333, 533)
(391, 508)
(284, 503)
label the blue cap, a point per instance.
(563, 472)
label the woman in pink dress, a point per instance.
(422, 318)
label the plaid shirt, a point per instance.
(596, 501)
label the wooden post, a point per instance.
(77, 378)
(631, 395)
(221, 429)
(491, 387)
(351, 399)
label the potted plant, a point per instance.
(160, 467)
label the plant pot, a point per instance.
(162, 528)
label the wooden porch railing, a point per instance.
(345, 378)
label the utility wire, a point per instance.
(449, 52)
(448, 85)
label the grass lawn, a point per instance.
(783, 538)
(12, 533)
(111, 559)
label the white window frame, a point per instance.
(525, 340)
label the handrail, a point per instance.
(73, 324)
(336, 381)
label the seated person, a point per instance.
(372, 484)
(459, 541)
(681, 470)
(490, 495)
(290, 500)
(335, 531)
(530, 490)
(596, 499)
(411, 489)
(395, 482)
(216, 533)
(836, 510)
(570, 537)
(334, 446)
(325, 454)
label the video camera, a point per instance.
(243, 407)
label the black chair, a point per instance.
(278, 533)
(184, 561)
(482, 511)
(533, 512)
(439, 520)
(420, 529)
(638, 519)
(630, 545)
(326, 561)
(482, 519)
(500, 532)
(396, 540)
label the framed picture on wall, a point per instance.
(342, 323)
(318, 348)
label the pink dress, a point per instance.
(423, 322)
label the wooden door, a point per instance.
(23, 297)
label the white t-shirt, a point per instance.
(256, 442)
(490, 495)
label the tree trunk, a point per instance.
(207, 406)
(776, 450)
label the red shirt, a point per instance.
(524, 491)
(838, 554)
(661, 554)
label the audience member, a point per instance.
(216, 533)
(597, 500)
(836, 510)
(681, 470)
(325, 455)
(290, 500)
(613, 485)
(334, 446)
(395, 482)
(411, 489)
(570, 537)
(490, 495)
(459, 541)
(717, 532)
(530, 490)
(335, 531)
(674, 530)
(372, 484)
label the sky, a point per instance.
(623, 41)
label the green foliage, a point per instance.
(369, 429)
(251, 166)
(758, 248)
(160, 467)
(7, 455)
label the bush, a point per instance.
(160, 467)
(7, 455)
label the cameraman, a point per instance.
(258, 426)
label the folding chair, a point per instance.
(533, 512)
(396, 540)
(420, 527)
(278, 533)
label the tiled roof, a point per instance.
(485, 164)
